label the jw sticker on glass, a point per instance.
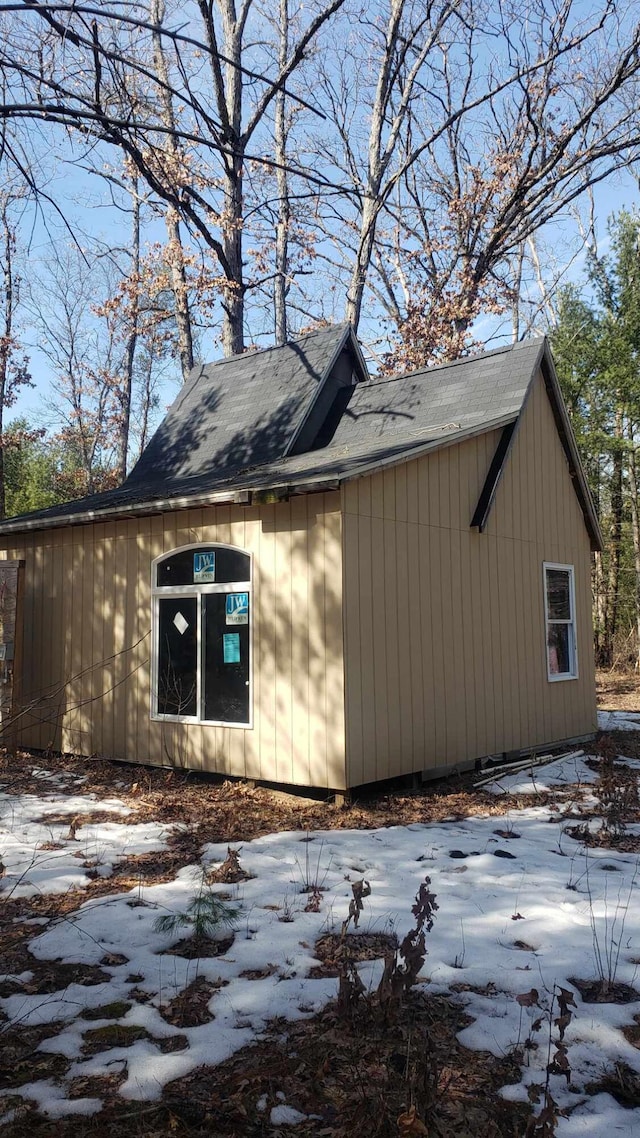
(204, 567)
(231, 647)
(237, 608)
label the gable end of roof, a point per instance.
(332, 392)
(570, 447)
(545, 365)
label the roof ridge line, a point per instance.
(270, 347)
(460, 360)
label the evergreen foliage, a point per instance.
(41, 470)
(204, 916)
(596, 345)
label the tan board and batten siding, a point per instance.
(445, 641)
(388, 636)
(87, 642)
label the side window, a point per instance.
(560, 610)
(202, 635)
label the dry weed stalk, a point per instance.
(360, 890)
(313, 876)
(401, 969)
(543, 1124)
(607, 945)
(229, 872)
(401, 965)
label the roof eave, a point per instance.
(279, 487)
(417, 450)
(545, 365)
(136, 509)
(244, 497)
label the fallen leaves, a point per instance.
(229, 871)
(529, 999)
(410, 1125)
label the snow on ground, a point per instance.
(525, 908)
(39, 856)
(572, 771)
(619, 721)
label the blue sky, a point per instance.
(610, 197)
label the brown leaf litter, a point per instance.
(367, 1079)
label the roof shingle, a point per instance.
(232, 427)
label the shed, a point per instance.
(316, 578)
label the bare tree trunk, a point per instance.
(281, 286)
(125, 392)
(227, 88)
(546, 299)
(615, 545)
(6, 340)
(172, 220)
(180, 291)
(355, 295)
(405, 53)
(146, 405)
(516, 288)
(635, 529)
(13, 366)
(599, 606)
(379, 156)
(233, 300)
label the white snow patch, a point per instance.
(31, 868)
(51, 1099)
(517, 910)
(619, 720)
(285, 1115)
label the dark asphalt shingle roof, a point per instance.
(467, 392)
(240, 412)
(232, 426)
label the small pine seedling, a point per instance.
(205, 915)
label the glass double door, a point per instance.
(204, 657)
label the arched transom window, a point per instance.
(202, 635)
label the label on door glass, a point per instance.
(204, 566)
(231, 647)
(237, 608)
(180, 623)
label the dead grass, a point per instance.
(358, 1079)
(98, 1039)
(51, 976)
(604, 839)
(622, 1083)
(595, 992)
(618, 691)
(195, 948)
(334, 948)
(625, 743)
(632, 1032)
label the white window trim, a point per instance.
(197, 591)
(555, 677)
